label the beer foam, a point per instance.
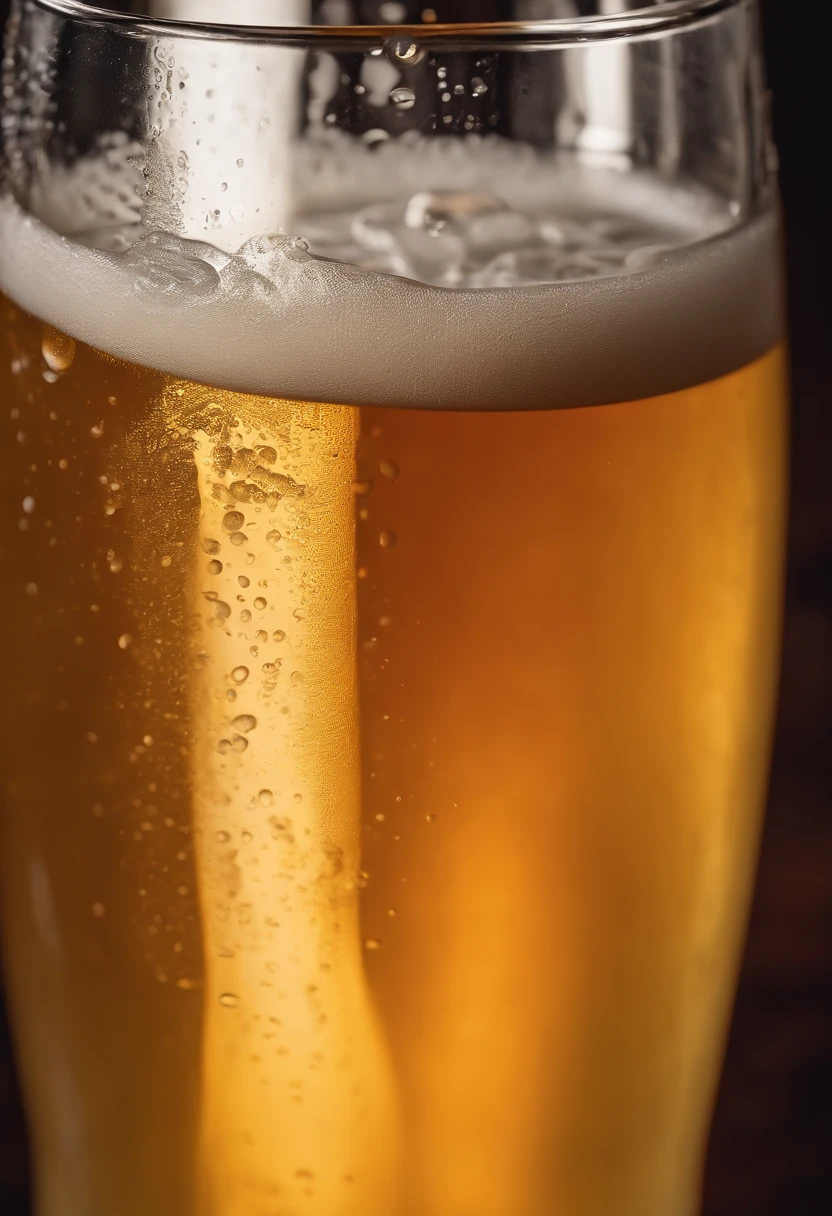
(558, 290)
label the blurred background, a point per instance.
(772, 1140)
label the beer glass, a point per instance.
(393, 511)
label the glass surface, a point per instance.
(393, 514)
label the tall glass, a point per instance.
(393, 500)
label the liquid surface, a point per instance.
(403, 788)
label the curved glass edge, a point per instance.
(562, 31)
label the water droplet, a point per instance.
(274, 538)
(403, 98)
(362, 488)
(237, 539)
(239, 675)
(222, 837)
(244, 722)
(478, 86)
(265, 797)
(211, 546)
(388, 540)
(260, 603)
(243, 581)
(389, 469)
(215, 567)
(233, 521)
(58, 350)
(229, 1000)
(125, 640)
(278, 636)
(373, 943)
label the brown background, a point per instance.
(771, 1152)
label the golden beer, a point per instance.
(383, 787)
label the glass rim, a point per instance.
(660, 18)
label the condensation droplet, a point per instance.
(229, 1000)
(239, 675)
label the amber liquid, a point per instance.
(383, 789)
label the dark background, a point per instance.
(771, 1151)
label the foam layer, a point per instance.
(276, 320)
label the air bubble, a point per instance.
(215, 567)
(274, 538)
(239, 744)
(373, 943)
(297, 799)
(408, 52)
(296, 679)
(388, 540)
(478, 86)
(403, 98)
(58, 350)
(222, 610)
(265, 797)
(389, 469)
(239, 675)
(362, 488)
(260, 603)
(125, 641)
(233, 521)
(245, 616)
(278, 636)
(229, 1000)
(222, 837)
(211, 546)
(243, 581)
(244, 722)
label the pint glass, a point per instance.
(393, 508)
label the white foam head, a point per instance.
(541, 288)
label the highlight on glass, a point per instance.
(393, 492)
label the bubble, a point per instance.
(239, 744)
(266, 455)
(247, 837)
(233, 521)
(222, 837)
(362, 488)
(245, 616)
(270, 669)
(224, 746)
(215, 567)
(478, 86)
(274, 538)
(408, 52)
(229, 1000)
(388, 540)
(237, 539)
(260, 603)
(240, 674)
(297, 799)
(240, 162)
(244, 722)
(430, 818)
(98, 911)
(222, 610)
(211, 546)
(243, 581)
(265, 797)
(393, 12)
(459, 89)
(97, 430)
(372, 943)
(375, 137)
(296, 679)
(278, 636)
(58, 350)
(389, 469)
(115, 563)
(125, 640)
(403, 98)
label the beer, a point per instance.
(384, 776)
